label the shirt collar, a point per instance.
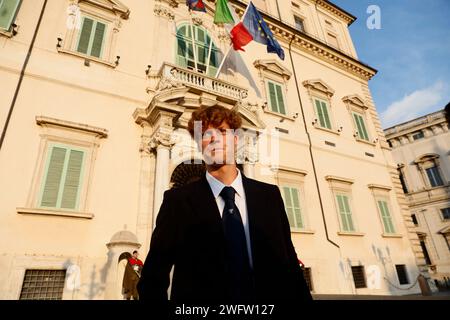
(217, 186)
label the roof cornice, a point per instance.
(313, 46)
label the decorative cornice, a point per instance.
(426, 157)
(355, 100)
(339, 179)
(273, 66)
(45, 121)
(379, 186)
(313, 46)
(288, 170)
(112, 5)
(335, 10)
(164, 12)
(318, 85)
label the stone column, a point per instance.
(162, 149)
(146, 183)
(250, 153)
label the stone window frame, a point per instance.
(298, 11)
(294, 178)
(318, 89)
(340, 185)
(12, 30)
(381, 192)
(68, 133)
(355, 104)
(21, 263)
(272, 70)
(112, 16)
(441, 214)
(426, 161)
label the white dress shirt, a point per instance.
(217, 186)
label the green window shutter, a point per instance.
(386, 217)
(72, 180)
(296, 207)
(288, 206)
(62, 178)
(358, 125)
(325, 115)
(53, 177)
(280, 99)
(273, 97)
(85, 35)
(97, 43)
(348, 213)
(320, 114)
(8, 9)
(361, 127)
(345, 213)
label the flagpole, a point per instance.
(231, 45)
(193, 42)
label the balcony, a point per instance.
(174, 76)
(427, 195)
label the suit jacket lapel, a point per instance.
(253, 207)
(205, 207)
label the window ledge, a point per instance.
(317, 126)
(61, 213)
(86, 57)
(304, 231)
(354, 234)
(266, 110)
(391, 235)
(8, 34)
(365, 141)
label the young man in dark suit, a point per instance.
(227, 236)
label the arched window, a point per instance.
(206, 55)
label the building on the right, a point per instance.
(421, 148)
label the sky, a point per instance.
(410, 50)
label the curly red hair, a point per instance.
(214, 116)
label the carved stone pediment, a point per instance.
(318, 85)
(272, 65)
(112, 5)
(355, 100)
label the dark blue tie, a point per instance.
(241, 283)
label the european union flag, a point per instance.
(261, 33)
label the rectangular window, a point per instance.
(360, 126)
(92, 36)
(62, 178)
(446, 213)
(345, 213)
(401, 273)
(425, 251)
(434, 176)
(332, 40)
(292, 205)
(386, 216)
(276, 98)
(414, 219)
(418, 135)
(299, 24)
(43, 285)
(323, 114)
(308, 279)
(359, 277)
(8, 11)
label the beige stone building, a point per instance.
(95, 98)
(421, 149)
